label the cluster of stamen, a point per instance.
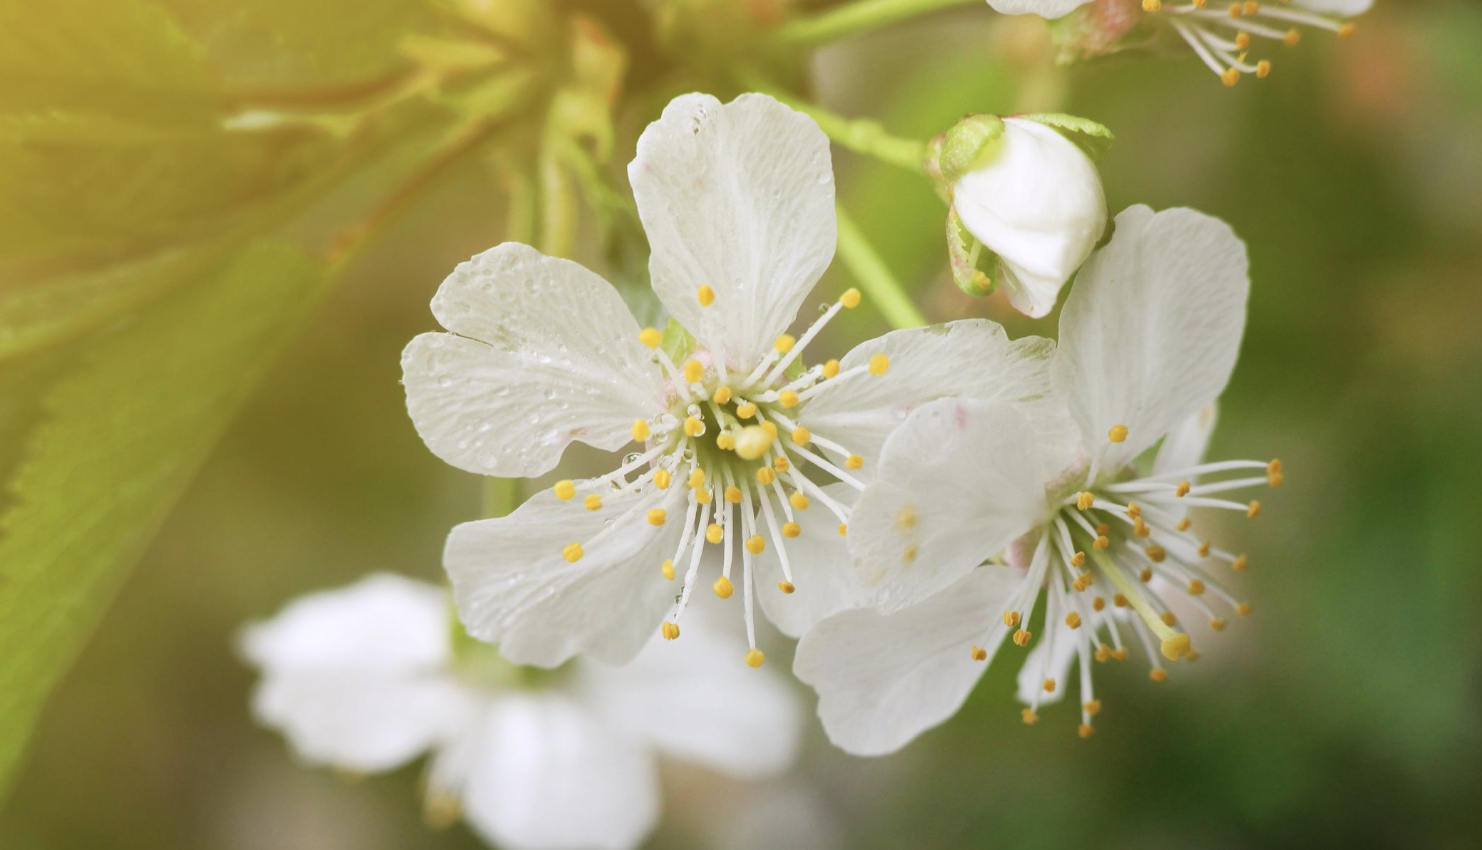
(1105, 545)
(736, 441)
(1221, 36)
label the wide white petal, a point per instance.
(693, 699)
(514, 587)
(883, 679)
(821, 570)
(738, 197)
(958, 482)
(544, 774)
(1151, 330)
(973, 358)
(1044, 8)
(545, 354)
(1185, 444)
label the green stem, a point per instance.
(861, 135)
(859, 16)
(501, 496)
(874, 276)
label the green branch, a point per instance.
(859, 16)
(875, 278)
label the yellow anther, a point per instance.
(1234, 10)
(1242, 609)
(1101, 542)
(1203, 549)
(802, 436)
(1183, 524)
(693, 426)
(733, 494)
(705, 295)
(1119, 655)
(723, 588)
(670, 631)
(905, 518)
(714, 533)
(1049, 686)
(722, 395)
(1084, 500)
(1239, 563)
(781, 463)
(753, 442)
(1347, 30)
(1196, 587)
(564, 489)
(1140, 528)
(831, 369)
(1158, 674)
(850, 298)
(746, 410)
(667, 568)
(662, 479)
(1252, 7)
(1263, 68)
(1275, 479)
(1030, 718)
(853, 462)
(725, 442)
(1117, 434)
(1230, 77)
(791, 529)
(572, 553)
(697, 477)
(1081, 582)
(656, 516)
(650, 337)
(1103, 653)
(1274, 467)
(694, 370)
(755, 544)
(593, 502)
(754, 658)
(1175, 646)
(1011, 618)
(786, 586)
(1103, 529)
(766, 475)
(1134, 510)
(784, 343)
(1168, 619)
(703, 496)
(979, 653)
(798, 500)
(1073, 620)
(1086, 730)
(879, 364)
(1152, 5)
(1182, 490)
(770, 428)
(640, 430)
(1078, 559)
(1022, 637)
(788, 399)
(909, 556)
(1119, 600)
(1218, 624)
(1242, 40)
(1155, 553)
(1293, 37)
(1092, 707)
(843, 529)
(1098, 603)
(1146, 575)
(1254, 510)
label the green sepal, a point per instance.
(969, 144)
(1095, 139)
(677, 342)
(966, 262)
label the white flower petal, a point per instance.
(738, 197)
(1050, 9)
(821, 572)
(514, 587)
(1185, 444)
(883, 679)
(546, 776)
(973, 358)
(1337, 8)
(546, 353)
(958, 482)
(1033, 673)
(1151, 331)
(694, 699)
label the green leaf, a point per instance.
(121, 436)
(1089, 136)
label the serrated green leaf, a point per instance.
(122, 434)
(1089, 136)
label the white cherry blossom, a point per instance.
(1148, 338)
(369, 677)
(736, 441)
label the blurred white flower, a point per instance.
(368, 677)
(1148, 339)
(1034, 198)
(738, 204)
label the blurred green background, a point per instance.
(1344, 711)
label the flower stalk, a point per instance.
(875, 278)
(859, 17)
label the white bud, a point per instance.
(1035, 200)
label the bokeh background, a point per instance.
(1344, 711)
